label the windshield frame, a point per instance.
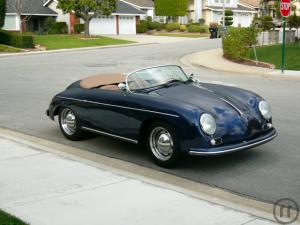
(151, 67)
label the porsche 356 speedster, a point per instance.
(171, 113)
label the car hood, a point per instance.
(235, 110)
(212, 98)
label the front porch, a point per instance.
(33, 23)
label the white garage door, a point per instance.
(127, 25)
(103, 25)
(245, 19)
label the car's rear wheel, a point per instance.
(69, 125)
(163, 144)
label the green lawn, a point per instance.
(272, 54)
(188, 35)
(52, 42)
(7, 219)
(8, 49)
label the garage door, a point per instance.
(103, 25)
(127, 25)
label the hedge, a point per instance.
(171, 7)
(59, 28)
(79, 28)
(237, 42)
(16, 40)
(2, 12)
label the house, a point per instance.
(122, 21)
(147, 6)
(33, 15)
(212, 11)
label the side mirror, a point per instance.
(122, 86)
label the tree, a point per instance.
(267, 23)
(87, 9)
(292, 21)
(21, 7)
(228, 17)
(172, 8)
(2, 12)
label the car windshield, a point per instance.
(155, 76)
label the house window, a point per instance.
(10, 23)
(222, 1)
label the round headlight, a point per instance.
(265, 110)
(208, 124)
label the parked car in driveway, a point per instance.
(171, 113)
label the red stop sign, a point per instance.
(285, 8)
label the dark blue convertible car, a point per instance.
(171, 113)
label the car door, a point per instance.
(107, 111)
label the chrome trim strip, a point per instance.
(232, 105)
(124, 107)
(234, 149)
(111, 135)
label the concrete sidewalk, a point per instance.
(42, 187)
(213, 59)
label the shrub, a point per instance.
(203, 29)
(228, 17)
(172, 26)
(141, 27)
(59, 28)
(193, 28)
(79, 28)
(48, 24)
(16, 40)
(149, 19)
(153, 25)
(201, 21)
(237, 42)
(267, 23)
(161, 26)
(182, 28)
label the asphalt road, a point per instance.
(267, 173)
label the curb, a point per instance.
(193, 189)
(189, 61)
(72, 50)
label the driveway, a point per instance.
(267, 173)
(146, 39)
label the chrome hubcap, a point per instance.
(68, 121)
(161, 143)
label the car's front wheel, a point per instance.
(69, 125)
(163, 144)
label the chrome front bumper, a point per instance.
(235, 147)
